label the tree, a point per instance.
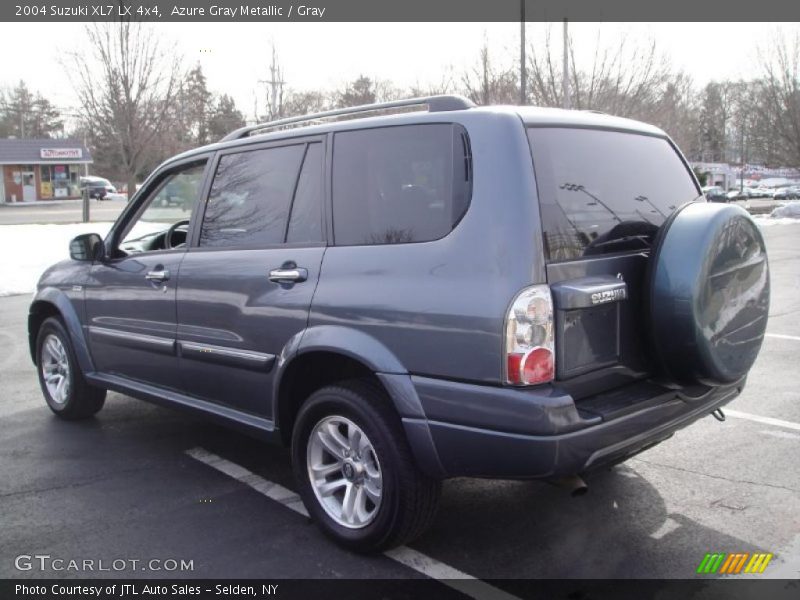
(715, 115)
(361, 91)
(224, 118)
(194, 107)
(126, 85)
(674, 112)
(25, 115)
(304, 102)
(486, 83)
(623, 79)
(780, 83)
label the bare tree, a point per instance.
(489, 83)
(625, 79)
(445, 85)
(126, 85)
(781, 95)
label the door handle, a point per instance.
(157, 276)
(288, 275)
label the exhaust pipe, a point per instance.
(573, 484)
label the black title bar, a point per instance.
(408, 589)
(397, 10)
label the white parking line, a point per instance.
(759, 419)
(422, 563)
(783, 336)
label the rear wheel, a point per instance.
(355, 471)
(65, 390)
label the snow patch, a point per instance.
(787, 209)
(764, 221)
(27, 250)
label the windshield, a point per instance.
(604, 191)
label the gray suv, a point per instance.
(404, 296)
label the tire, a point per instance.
(55, 356)
(408, 499)
(707, 295)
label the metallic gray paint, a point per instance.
(121, 299)
(226, 300)
(404, 311)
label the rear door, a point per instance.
(245, 286)
(603, 195)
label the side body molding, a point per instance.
(57, 298)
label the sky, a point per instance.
(235, 56)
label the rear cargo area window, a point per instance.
(604, 191)
(395, 185)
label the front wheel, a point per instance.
(355, 471)
(65, 390)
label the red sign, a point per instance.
(61, 153)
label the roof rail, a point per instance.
(434, 103)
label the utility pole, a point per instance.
(276, 85)
(523, 76)
(741, 173)
(565, 70)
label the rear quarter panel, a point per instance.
(439, 306)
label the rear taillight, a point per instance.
(529, 347)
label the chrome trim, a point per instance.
(157, 276)
(288, 275)
(128, 339)
(246, 359)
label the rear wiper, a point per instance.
(644, 239)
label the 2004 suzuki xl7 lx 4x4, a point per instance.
(507, 292)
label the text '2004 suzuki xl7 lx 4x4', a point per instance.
(500, 292)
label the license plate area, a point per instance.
(587, 322)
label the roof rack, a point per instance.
(434, 103)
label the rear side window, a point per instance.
(604, 191)
(305, 222)
(251, 196)
(395, 185)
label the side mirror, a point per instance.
(87, 247)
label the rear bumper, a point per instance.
(540, 434)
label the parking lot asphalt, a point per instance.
(127, 485)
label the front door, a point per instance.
(28, 186)
(130, 296)
(245, 287)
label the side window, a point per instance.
(401, 184)
(305, 222)
(251, 197)
(170, 204)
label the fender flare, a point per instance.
(394, 377)
(59, 300)
(340, 340)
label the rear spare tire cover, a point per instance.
(708, 295)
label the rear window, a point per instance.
(604, 191)
(395, 185)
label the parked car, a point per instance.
(763, 192)
(98, 187)
(461, 291)
(715, 193)
(787, 193)
(737, 195)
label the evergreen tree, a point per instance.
(24, 114)
(224, 118)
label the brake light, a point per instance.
(529, 343)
